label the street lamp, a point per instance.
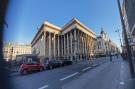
(11, 54)
(109, 46)
(110, 50)
(106, 48)
(119, 36)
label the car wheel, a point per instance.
(24, 72)
(50, 67)
(41, 69)
(65, 64)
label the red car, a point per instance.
(29, 67)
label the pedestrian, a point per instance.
(110, 57)
(117, 55)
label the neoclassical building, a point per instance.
(104, 46)
(74, 41)
(11, 50)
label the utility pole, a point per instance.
(126, 41)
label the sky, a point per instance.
(24, 17)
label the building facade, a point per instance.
(104, 46)
(128, 13)
(74, 41)
(10, 50)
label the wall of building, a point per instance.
(128, 9)
(130, 12)
(10, 50)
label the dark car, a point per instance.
(66, 62)
(29, 67)
(50, 64)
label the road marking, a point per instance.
(94, 65)
(121, 75)
(86, 68)
(69, 76)
(43, 87)
(122, 83)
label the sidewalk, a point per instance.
(110, 75)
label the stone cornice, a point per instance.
(74, 23)
(74, 20)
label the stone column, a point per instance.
(50, 39)
(54, 43)
(83, 44)
(78, 43)
(67, 46)
(71, 45)
(86, 45)
(44, 44)
(75, 46)
(90, 45)
(58, 47)
(64, 46)
(61, 40)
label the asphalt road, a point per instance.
(99, 70)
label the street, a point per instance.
(67, 44)
(97, 74)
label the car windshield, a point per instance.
(54, 61)
(30, 63)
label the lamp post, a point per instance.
(126, 41)
(11, 57)
(106, 49)
(11, 54)
(119, 36)
(110, 50)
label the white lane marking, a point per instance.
(121, 75)
(69, 76)
(45, 86)
(86, 68)
(122, 83)
(94, 65)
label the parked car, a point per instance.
(50, 64)
(66, 62)
(29, 67)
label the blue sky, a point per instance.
(25, 16)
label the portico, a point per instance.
(72, 42)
